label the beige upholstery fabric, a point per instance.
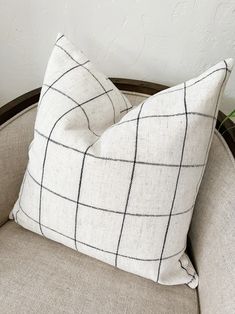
(15, 136)
(213, 232)
(41, 276)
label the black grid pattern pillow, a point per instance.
(118, 184)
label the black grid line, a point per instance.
(105, 209)
(67, 53)
(116, 159)
(165, 116)
(176, 185)
(58, 39)
(70, 98)
(125, 110)
(191, 275)
(73, 100)
(78, 195)
(102, 86)
(49, 86)
(96, 248)
(192, 279)
(131, 182)
(46, 149)
(194, 83)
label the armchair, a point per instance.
(28, 262)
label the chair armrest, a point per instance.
(212, 231)
(15, 137)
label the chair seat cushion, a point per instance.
(38, 275)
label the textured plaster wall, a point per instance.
(165, 41)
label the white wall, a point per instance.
(165, 41)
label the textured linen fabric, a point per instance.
(41, 276)
(116, 185)
(15, 136)
(212, 231)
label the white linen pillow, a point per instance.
(116, 185)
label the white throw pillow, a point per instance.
(116, 185)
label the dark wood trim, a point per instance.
(148, 88)
(17, 105)
(227, 129)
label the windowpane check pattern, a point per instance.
(113, 181)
